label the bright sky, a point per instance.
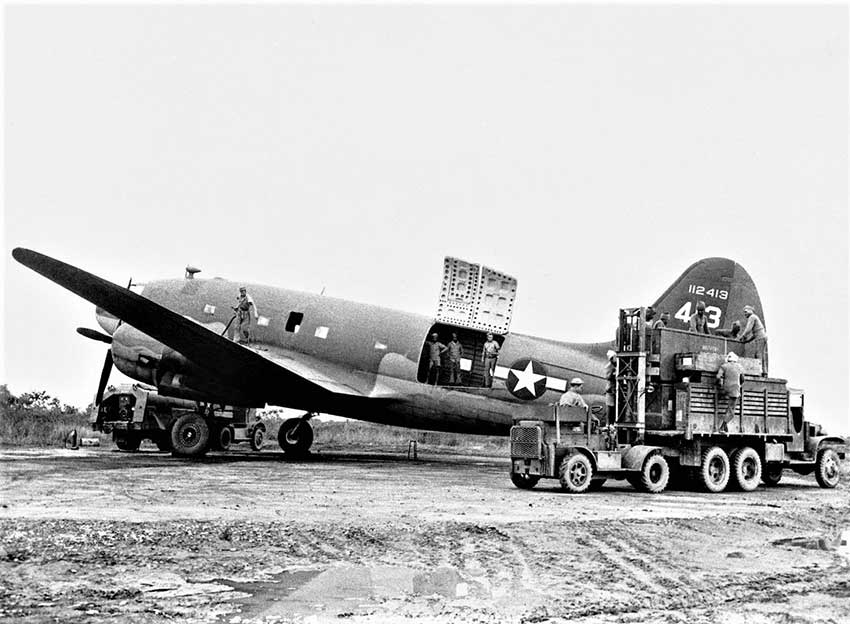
(592, 152)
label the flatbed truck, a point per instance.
(668, 405)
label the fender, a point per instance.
(634, 457)
(816, 443)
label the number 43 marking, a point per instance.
(713, 313)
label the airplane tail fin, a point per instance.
(724, 286)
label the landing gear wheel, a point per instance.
(654, 474)
(771, 474)
(190, 436)
(576, 473)
(295, 437)
(714, 470)
(524, 481)
(827, 470)
(258, 436)
(127, 441)
(746, 468)
(596, 485)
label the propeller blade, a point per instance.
(93, 334)
(104, 377)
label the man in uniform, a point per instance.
(435, 353)
(755, 337)
(244, 309)
(611, 385)
(572, 397)
(489, 357)
(698, 323)
(455, 354)
(730, 377)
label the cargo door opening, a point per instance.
(471, 374)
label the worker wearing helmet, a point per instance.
(573, 395)
(730, 378)
(698, 323)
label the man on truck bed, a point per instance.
(730, 377)
(754, 333)
(698, 323)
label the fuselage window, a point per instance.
(293, 323)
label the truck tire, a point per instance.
(225, 437)
(654, 474)
(714, 469)
(127, 441)
(746, 468)
(827, 468)
(258, 436)
(524, 481)
(190, 436)
(576, 473)
(771, 474)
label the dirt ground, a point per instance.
(97, 535)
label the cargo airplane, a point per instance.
(326, 355)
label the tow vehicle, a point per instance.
(668, 406)
(133, 413)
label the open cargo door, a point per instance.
(476, 297)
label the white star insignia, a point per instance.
(526, 379)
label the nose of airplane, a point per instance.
(107, 321)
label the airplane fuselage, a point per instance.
(380, 348)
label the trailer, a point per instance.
(132, 413)
(668, 405)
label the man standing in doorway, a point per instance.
(489, 357)
(435, 358)
(455, 354)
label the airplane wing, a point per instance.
(238, 365)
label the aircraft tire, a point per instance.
(654, 474)
(295, 437)
(714, 469)
(127, 441)
(827, 468)
(190, 436)
(524, 481)
(576, 473)
(258, 437)
(771, 475)
(746, 468)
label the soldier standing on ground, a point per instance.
(755, 336)
(730, 377)
(698, 323)
(489, 357)
(455, 354)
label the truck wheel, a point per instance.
(225, 437)
(827, 470)
(714, 470)
(771, 474)
(654, 474)
(127, 441)
(190, 436)
(524, 481)
(295, 436)
(746, 468)
(575, 473)
(258, 436)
